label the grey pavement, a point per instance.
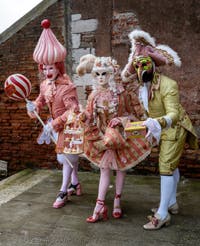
(27, 216)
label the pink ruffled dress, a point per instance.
(108, 147)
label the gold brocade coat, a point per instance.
(164, 101)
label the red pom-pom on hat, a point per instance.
(45, 23)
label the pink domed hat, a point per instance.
(48, 49)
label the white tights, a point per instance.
(168, 188)
(68, 172)
(176, 176)
(104, 184)
(105, 181)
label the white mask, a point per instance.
(102, 78)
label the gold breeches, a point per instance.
(170, 153)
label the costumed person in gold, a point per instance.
(57, 92)
(166, 120)
(105, 144)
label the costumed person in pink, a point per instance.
(59, 93)
(105, 144)
(166, 120)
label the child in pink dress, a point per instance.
(59, 93)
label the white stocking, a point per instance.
(103, 187)
(166, 190)
(176, 176)
(67, 170)
(103, 183)
(119, 183)
(74, 176)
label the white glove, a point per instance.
(48, 129)
(154, 129)
(30, 106)
(44, 138)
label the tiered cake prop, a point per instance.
(74, 135)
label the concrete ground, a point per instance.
(27, 216)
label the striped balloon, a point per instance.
(17, 87)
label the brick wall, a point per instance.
(18, 132)
(101, 28)
(173, 23)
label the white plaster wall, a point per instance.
(79, 26)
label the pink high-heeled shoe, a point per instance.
(75, 190)
(60, 200)
(101, 214)
(117, 214)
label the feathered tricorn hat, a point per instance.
(48, 49)
(144, 45)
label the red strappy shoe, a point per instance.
(101, 214)
(117, 214)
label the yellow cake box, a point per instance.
(135, 129)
